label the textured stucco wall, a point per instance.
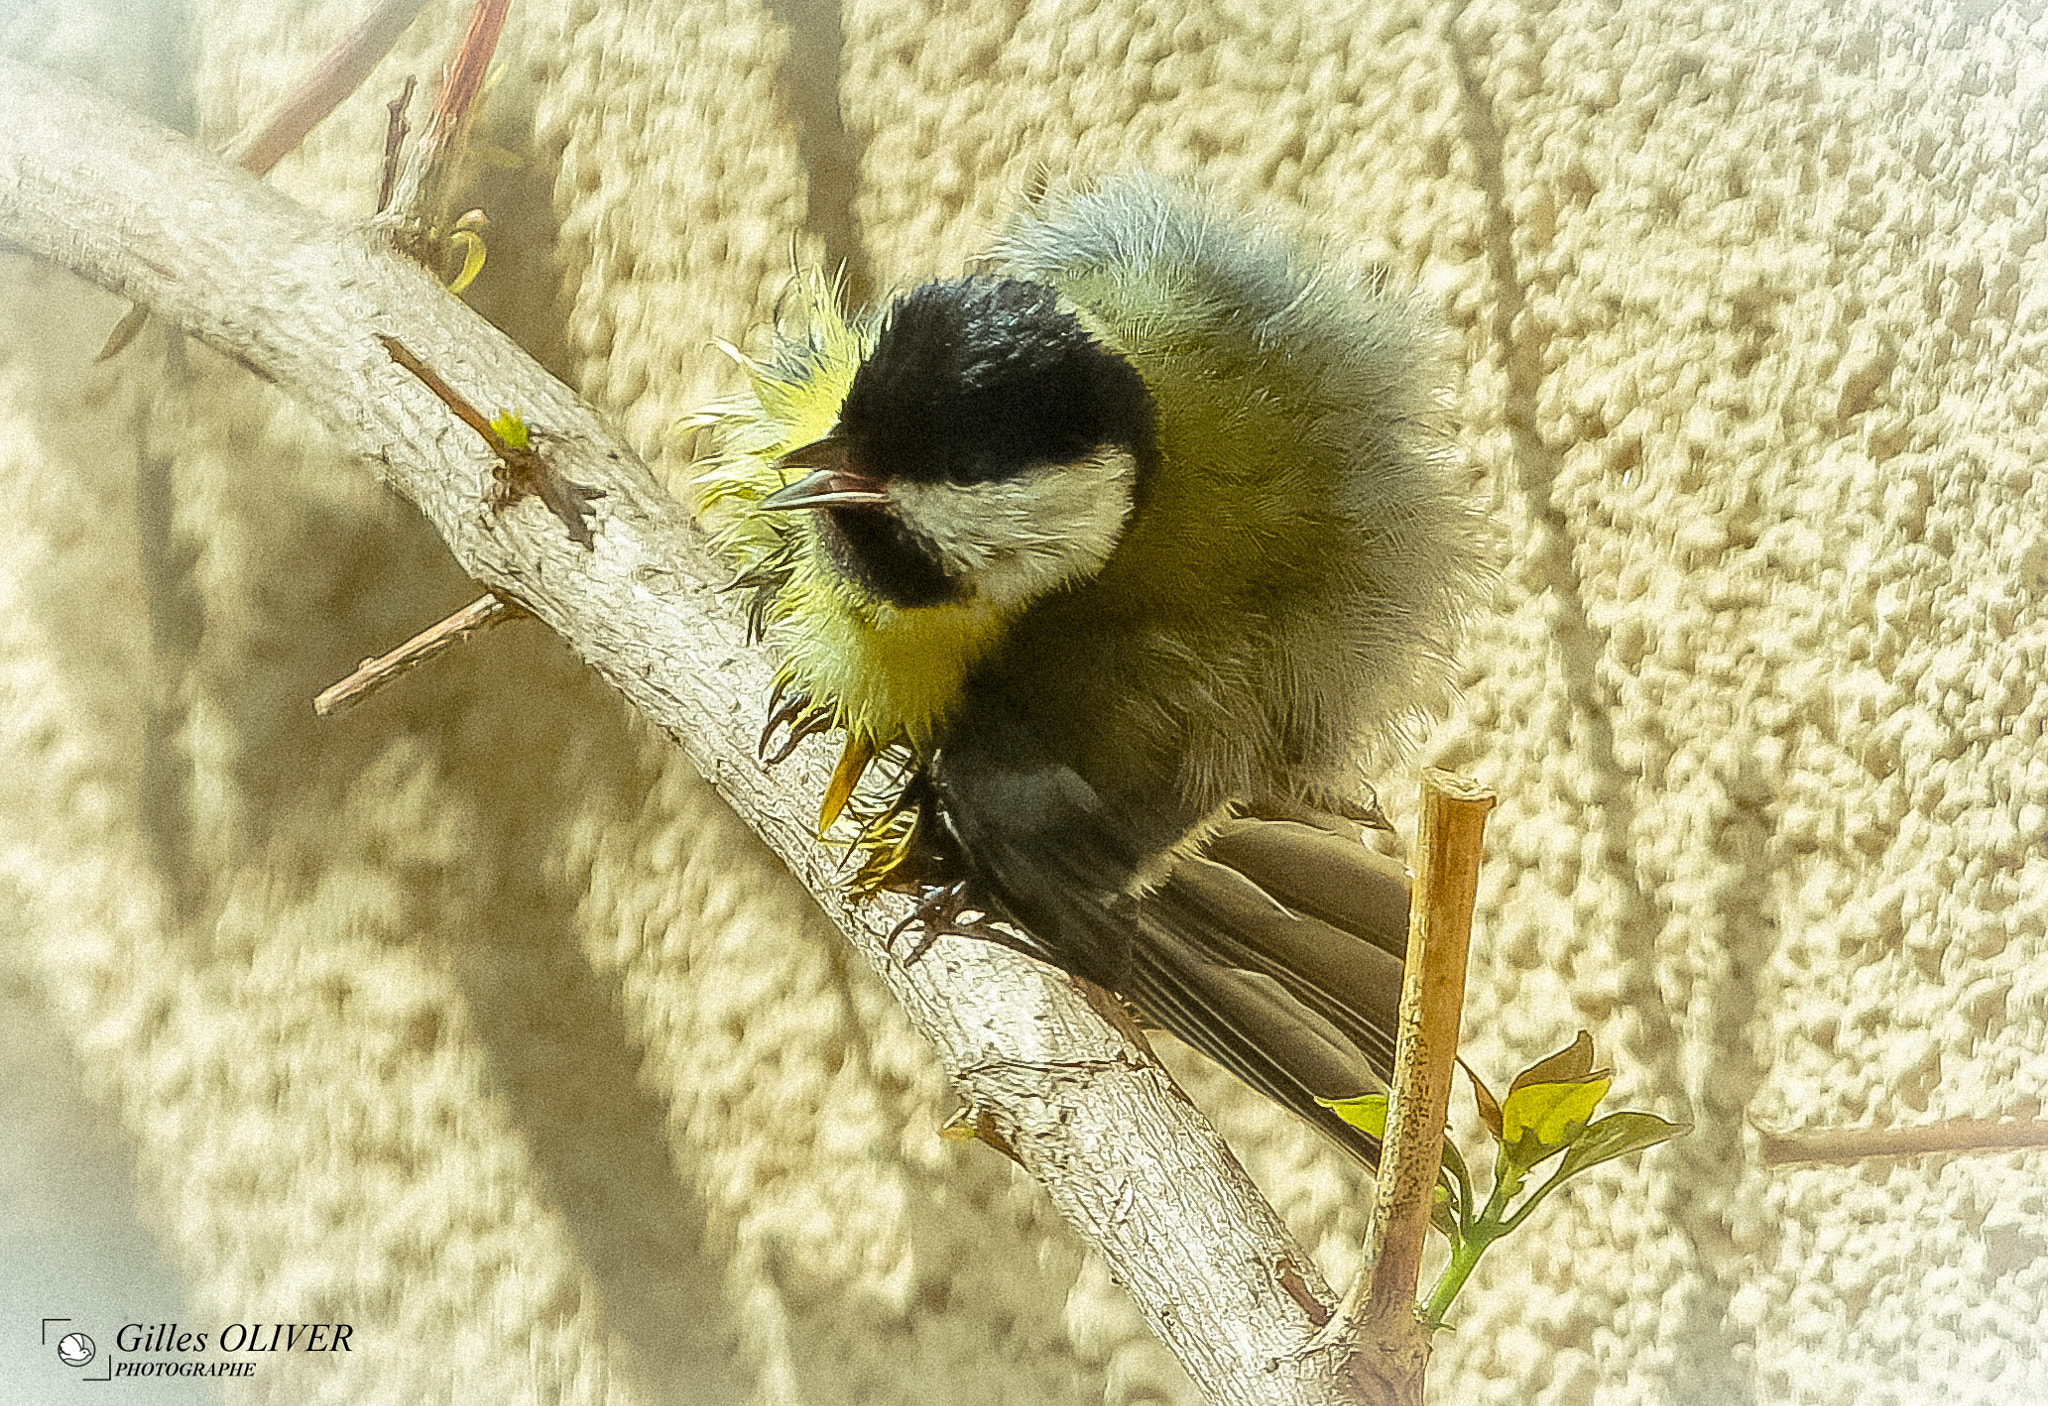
(473, 1019)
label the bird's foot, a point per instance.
(796, 712)
(956, 908)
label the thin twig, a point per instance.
(1956, 1135)
(1385, 1345)
(480, 614)
(1448, 845)
(419, 197)
(446, 394)
(466, 72)
(395, 130)
(340, 73)
(521, 470)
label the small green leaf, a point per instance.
(1489, 1106)
(511, 429)
(1540, 1120)
(1453, 1161)
(472, 246)
(1509, 1173)
(1367, 1114)
(1443, 1211)
(1571, 1065)
(1617, 1135)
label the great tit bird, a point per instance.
(1121, 546)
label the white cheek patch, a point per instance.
(1011, 541)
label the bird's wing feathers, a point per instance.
(1340, 979)
(1321, 874)
(1300, 1007)
(1043, 842)
(1296, 1008)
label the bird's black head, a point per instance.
(975, 379)
(988, 448)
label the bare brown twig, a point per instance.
(340, 73)
(1957, 1135)
(395, 130)
(521, 471)
(479, 615)
(419, 197)
(1391, 1344)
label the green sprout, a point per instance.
(467, 239)
(511, 429)
(1549, 1110)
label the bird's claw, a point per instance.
(803, 719)
(952, 908)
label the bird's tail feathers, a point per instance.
(1298, 1007)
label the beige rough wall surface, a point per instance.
(1771, 381)
(473, 1019)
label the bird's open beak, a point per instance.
(831, 483)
